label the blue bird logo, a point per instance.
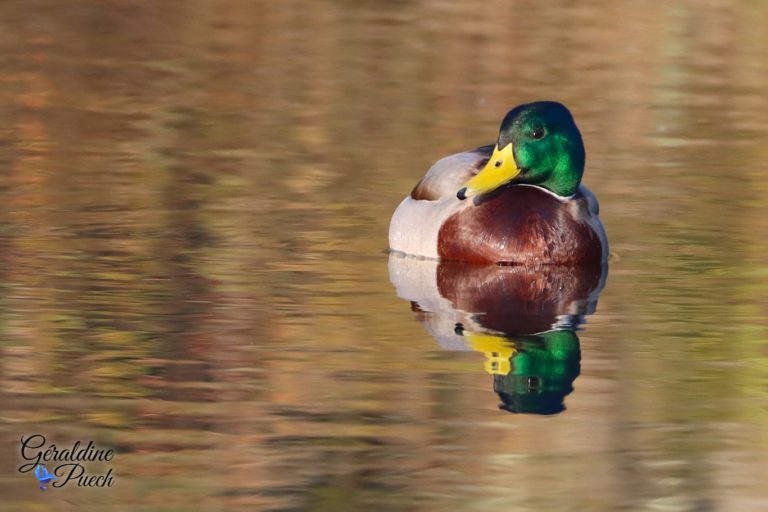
(43, 476)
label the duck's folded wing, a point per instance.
(590, 214)
(417, 220)
(449, 174)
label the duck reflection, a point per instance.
(524, 320)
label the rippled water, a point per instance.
(194, 202)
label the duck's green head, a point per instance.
(538, 144)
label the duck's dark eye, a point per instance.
(537, 133)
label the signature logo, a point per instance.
(43, 476)
(69, 464)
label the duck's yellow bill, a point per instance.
(499, 170)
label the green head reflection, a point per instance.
(532, 373)
(542, 371)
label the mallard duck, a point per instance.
(519, 201)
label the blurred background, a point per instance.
(194, 203)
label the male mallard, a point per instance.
(520, 202)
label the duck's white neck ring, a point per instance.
(561, 198)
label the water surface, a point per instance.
(194, 202)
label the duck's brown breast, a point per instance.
(521, 225)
